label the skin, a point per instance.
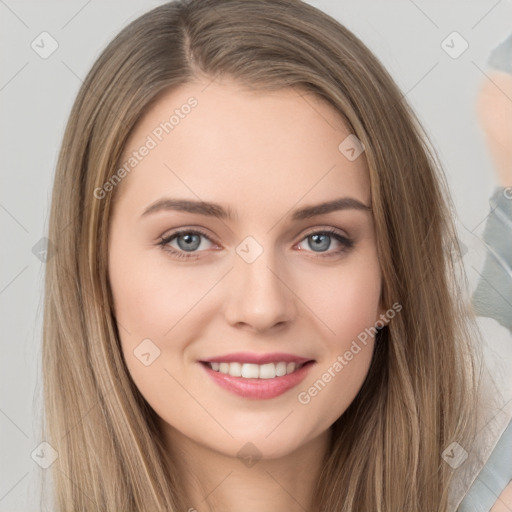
(263, 155)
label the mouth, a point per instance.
(256, 371)
(257, 381)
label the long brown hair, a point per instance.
(420, 393)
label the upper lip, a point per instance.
(248, 357)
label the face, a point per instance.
(279, 296)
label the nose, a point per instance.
(258, 296)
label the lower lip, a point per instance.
(259, 388)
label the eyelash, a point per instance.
(346, 243)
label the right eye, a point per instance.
(188, 240)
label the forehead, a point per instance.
(218, 141)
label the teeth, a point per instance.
(255, 371)
(249, 371)
(267, 371)
(280, 369)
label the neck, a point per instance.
(214, 482)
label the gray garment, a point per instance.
(500, 56)
(493, 298)
(493, 295)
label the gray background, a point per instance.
(36, 96)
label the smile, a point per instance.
(257, 381)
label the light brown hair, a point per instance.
(420, 392)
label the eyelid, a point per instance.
(325, 229)
(187, 229)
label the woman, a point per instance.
(243, 367)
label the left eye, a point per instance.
(190, 241)
(322, 240)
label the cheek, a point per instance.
(347, 311)
(159, 307)
(152, 305)
(150, 297)
(335, 384)
(346, 299)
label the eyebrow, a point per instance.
(219, 212)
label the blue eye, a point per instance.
(322, 240)
(189, 242)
